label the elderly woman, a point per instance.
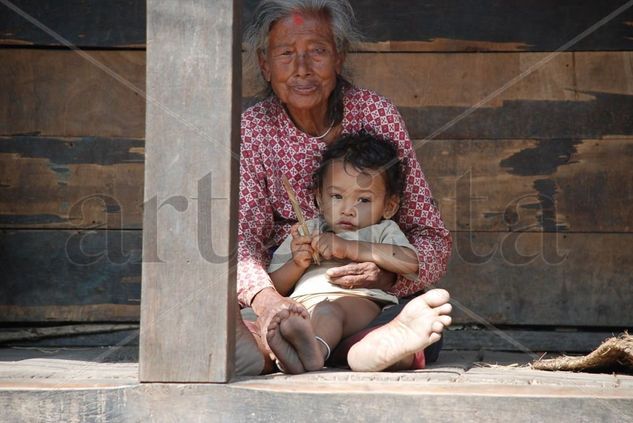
(299, 48)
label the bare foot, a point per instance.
(288, 359)
(299, 333)
(418, 325)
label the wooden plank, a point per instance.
(459, 80)
(61, 93)
(589, 287)
(58, 93)
(193, 71)
(129, 338)
(549, 279)
(87, 182)
(524, 340)
(34, 334)
(488, 25)
(404, 25)
(56, 275)
(568, 185)
(81, 23)
(502, 95)
(268, 400)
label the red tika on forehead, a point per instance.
(297, 18)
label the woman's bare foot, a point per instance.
(418, 325)
(288, 359)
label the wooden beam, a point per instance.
(72, 183)
(70, 275)
(545, 279)
(403, 25)
(83, 23)
(191, 174)
(65, 94)
(523, 340)
(501, 95)
(555, 185)
(580, 95)
(485, 395)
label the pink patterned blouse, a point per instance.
(273, 146)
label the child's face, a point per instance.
(350, 200)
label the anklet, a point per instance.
(318, 338)
(280, 366)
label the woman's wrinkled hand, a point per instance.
(361, 275)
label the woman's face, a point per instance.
(301, 62)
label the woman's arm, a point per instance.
(255, 222)
(393, 258)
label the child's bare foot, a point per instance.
(288, 359)
(298, 332)
(418, 325)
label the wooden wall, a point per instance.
(521, 112)
(71, 160)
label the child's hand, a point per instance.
(329, 245)
(301, 248)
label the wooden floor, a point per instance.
(100, 384)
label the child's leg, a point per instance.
(333, 320)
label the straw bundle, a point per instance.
(613, 355)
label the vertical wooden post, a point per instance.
(191, 161)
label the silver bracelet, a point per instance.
(329, 351)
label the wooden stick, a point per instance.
(295, 206)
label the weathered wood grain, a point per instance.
(129, 338)
(62, 93)
(85, 182)
(404, 25)
(501, 95)
(461, 80)
(34, 334)
(488, 25)
(524, 340)
(93, 23)
(551, 279)
(72, 313)
(541, 279)
(59, 93)
(50, 275)
(481, 185)
(189, 297)
(568, 185)
(288, 400)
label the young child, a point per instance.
(357, 189)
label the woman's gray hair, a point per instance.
(267, 12)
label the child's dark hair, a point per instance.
(364, 152)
